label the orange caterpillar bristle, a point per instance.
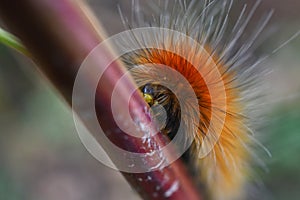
(224, 170)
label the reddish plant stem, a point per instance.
(59, 36)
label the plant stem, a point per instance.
(11, 41)
(59, 35)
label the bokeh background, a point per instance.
(41, 156)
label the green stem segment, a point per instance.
(11, 41)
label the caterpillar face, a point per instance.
(157, 95)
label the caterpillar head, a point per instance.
(164, 105)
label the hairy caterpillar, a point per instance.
(223, 172)
(152, 91)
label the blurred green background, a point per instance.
(41, 156)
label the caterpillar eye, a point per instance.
(148, 89)
(148, 94)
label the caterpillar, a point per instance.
(224, 171)
(220, 67)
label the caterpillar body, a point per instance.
(224, 171)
